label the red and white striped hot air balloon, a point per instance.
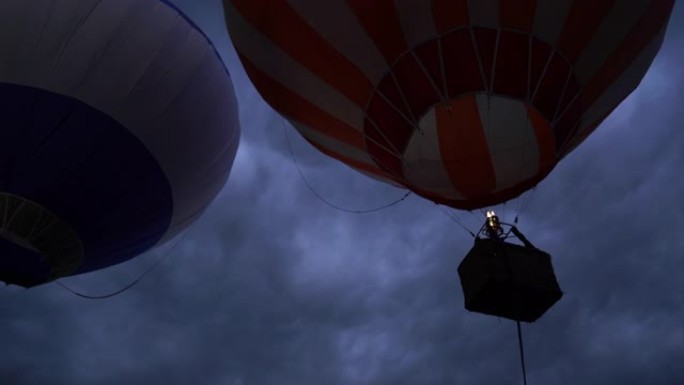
(468, 103)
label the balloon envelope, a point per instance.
(118, 126)
(468, 103)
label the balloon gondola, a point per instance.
(505, 275)
(467, 103)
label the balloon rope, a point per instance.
(522, 353)
(321, 198)
(454, 218)
(524, 203)
(136, 281)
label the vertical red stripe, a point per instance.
(569, 95)
(517, 14)
(394, 127)
(297, 108)
(549, 91)
(428, 54)
(545, 140)
(486, 45)
(381, 21)
(511, 65)
(419, 92)
(380, 150)
(463, 146)
(291, 33)
(581, 24)
(460, 63)
(450, 14)
(388, 88)
(579, 137)
(567, 124)
(541, 53)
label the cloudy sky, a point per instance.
(272, 286)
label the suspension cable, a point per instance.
(522, 353)
(135, 281)
(524, 203)
(454, 218)
(320, 197)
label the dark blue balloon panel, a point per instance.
(86, 168)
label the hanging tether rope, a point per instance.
(320, 197)
(134, 282)
(522, 353)
(493, 230)
(523, 204)
(454, 218)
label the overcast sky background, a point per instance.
(274, 287)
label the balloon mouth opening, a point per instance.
(475, 158)
(36, 246)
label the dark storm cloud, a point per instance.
(274, 287)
